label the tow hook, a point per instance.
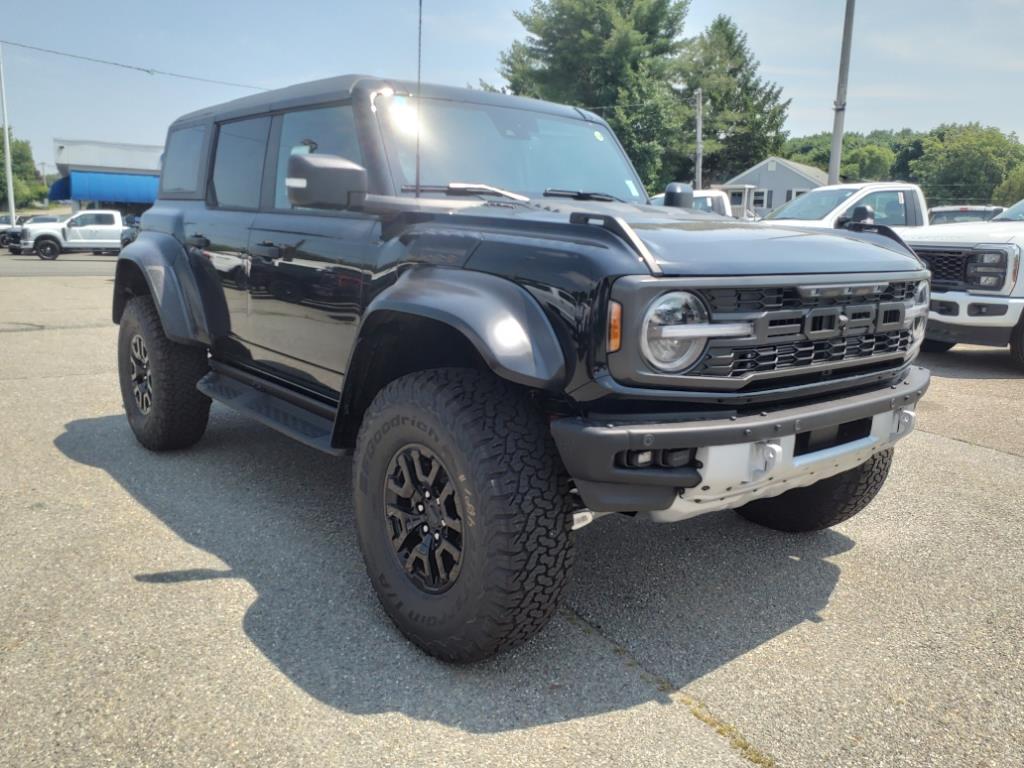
(903, 421)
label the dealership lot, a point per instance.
(209, 607)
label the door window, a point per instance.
(325, 131)
(890, 207)
(93, 219)
(238, 163)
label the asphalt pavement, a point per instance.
(209, 607)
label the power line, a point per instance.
(147, 70)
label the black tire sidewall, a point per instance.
(435, 616)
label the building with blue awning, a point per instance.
(102, 174)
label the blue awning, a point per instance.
(106, 187)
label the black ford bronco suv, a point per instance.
(469, 292)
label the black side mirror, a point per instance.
(861, 214)
(864, 214)
(325, 181)
(679, 195)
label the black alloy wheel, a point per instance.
(47, 250)
(141, 374)
(424, 522)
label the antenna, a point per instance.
(419, 67)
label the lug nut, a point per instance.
(419, 507)
(437, 536)
(427, 494)
(426, 528)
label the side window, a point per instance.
(104, 219)
(85, 220)
(326, 131)
(180, 174)
(238, 163)
(890, 207)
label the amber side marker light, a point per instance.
(614, 326)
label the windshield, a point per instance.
(1014, 213)
(812, 205)
(515, 149)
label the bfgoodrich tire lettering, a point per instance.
(170, 412)
(516, 550)
(826, 503)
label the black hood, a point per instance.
(685, 242)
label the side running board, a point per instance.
(260, 403)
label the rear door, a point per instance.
(103, 231)
(217, 233)
(307, 266)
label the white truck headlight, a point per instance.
(664, 338)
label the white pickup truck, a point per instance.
(95, 231)
(893, 203)
(977, 289)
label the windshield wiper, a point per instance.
(579, 194)
(467, 188)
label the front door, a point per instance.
(307, 267)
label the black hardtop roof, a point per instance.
(340, 88)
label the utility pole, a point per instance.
(698, 176)
(7, 141)
(840, 106)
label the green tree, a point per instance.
(1011, 189)
(28, 187)
(965, 163)
(870, 162)
(744, 115)
(611, 56)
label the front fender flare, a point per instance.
(164, 265)
(505, 325)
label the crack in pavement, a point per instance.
(26, 327)
(968, 442)
(698, 709)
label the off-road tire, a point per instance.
(937, 347)
(47, 248)
(826, 503)
(1017, 344)
(178, 411)
(512, 493)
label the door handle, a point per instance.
(197, 241)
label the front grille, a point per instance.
(788, 297)
(948, 267)
(740, 361)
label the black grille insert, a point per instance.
(948, 267)
(788, 297)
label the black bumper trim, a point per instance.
(588, 447)
(984, 335)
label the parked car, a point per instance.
(951, 214)
(508, 349)
(710, 200)
(6, 226)
(977, 288)
(895, 204)
(12, 235)
(96, 231)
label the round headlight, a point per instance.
(664, 350)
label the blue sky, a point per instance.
(916, 63)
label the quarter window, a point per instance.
(238, 163)
(180, 173)
(325, 131)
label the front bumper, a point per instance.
(735, 460)
(967, 318)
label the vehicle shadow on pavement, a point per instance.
(683, 598)
(964, 362)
